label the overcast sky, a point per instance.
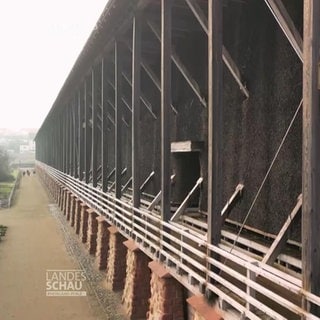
(39, 43)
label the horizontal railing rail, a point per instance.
(243, 282)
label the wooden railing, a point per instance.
(246, 284)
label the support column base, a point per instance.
(136, 292)
(166, 302)
(202, 310)
(102, 243)
(92, 231)
(116, 265)
(84, 223)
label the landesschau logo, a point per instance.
(65, 283)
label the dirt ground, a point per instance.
(36, 241)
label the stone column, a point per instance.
(70, 207)
(116, 264)
(77, 216)
(73, 209)
(136, 292)
(84, 223)
(202, 310)
(67, 202)
(59, 196)
(92, 231)
(102, 243)
(58, 188)
(63, 198)
(166, 302)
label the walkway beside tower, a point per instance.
(33, 245)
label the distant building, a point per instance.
(30, 147)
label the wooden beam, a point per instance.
(94, 137)
(126, 185)
(136, 93)
(311, 151)
(227, 59)
(69, 144)
(81, 134)
(157, 198)
(104, 124)
(180, 66)
(186, 146)
(184, 203)
(145, 182)
(123, 172)
(114, 109)
(166, 16)
(232, 201)
(71, 140)
(118, 118)
(142, 98)
(215, 121)
(65, 142)
(87, 134)
(75, 135)
(282, 237)
(285, 22)
(153, 77)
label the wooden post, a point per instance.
(215, 120)
(104, 116)
(74, 135)
(136, 92)
(94, 142)
(311, 152)
(71, 144)
(118, 118)
(87, 151)
(166, 8)
(81, 134)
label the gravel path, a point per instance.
(40, 239)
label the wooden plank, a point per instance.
(311, 152)
(166, 16)
(136, 93)
(187, 146)
(282, 236)
(215, 121)
(262, 233)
